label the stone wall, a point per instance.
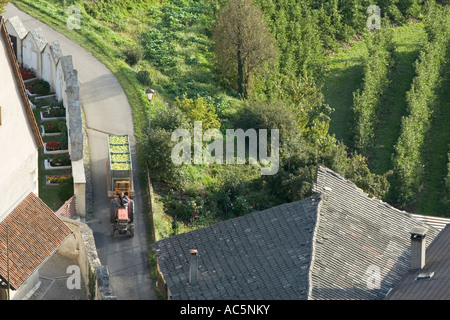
(81, 248)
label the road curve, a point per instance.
(107, 111)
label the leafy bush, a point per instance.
(157, 150)
(170, 119)
(144, 77)
(41, 87)
(133, 54)
(199, 110)
(65, 189)
(64, 137)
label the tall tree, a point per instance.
(243, 43)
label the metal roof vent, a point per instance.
(424, 275)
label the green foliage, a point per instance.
(65, 189)
(421, 98)
(447, 186)
(64, 136)
(378, 66)
(170, 119)
(176, 42)
(298, 37)
(156, 149)
(3, 4)
(133, 54)
(144, 77)
(301, 151)
(242, 43)
(41, 87)
(199, 110)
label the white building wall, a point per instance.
(47, 67)
(18, 147)
(31, 55)
(59, 82)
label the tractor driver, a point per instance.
(122, 200)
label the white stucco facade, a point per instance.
(32, 47)
(18, 145)
(50, 58)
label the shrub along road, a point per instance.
(107, 111)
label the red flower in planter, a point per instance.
(52, 146)
(26, 74)
(29, 88)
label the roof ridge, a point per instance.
(326, 170)
(313, 247)
(32, 220)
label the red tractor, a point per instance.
(122, 216)
(119, 175)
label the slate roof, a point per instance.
(357, 237)
(35, 233)
(39, 38)
(437, 260)
(328, 246)
(55, 50)
(436, 222)
(263, 255)
(18, 26)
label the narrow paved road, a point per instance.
(107, 111)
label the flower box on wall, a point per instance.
(48, 166)
(52, 148)
(55, 180)
(27, 74)
(46, 134)
(43, 118)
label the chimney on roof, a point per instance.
(193, 266)
(418, 248)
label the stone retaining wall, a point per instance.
(81, 248)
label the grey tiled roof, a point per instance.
(39, 38)
(55, 50)
(262, 255)
(328, 246)
(18, 26)
(356, 237)
(437, 261)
